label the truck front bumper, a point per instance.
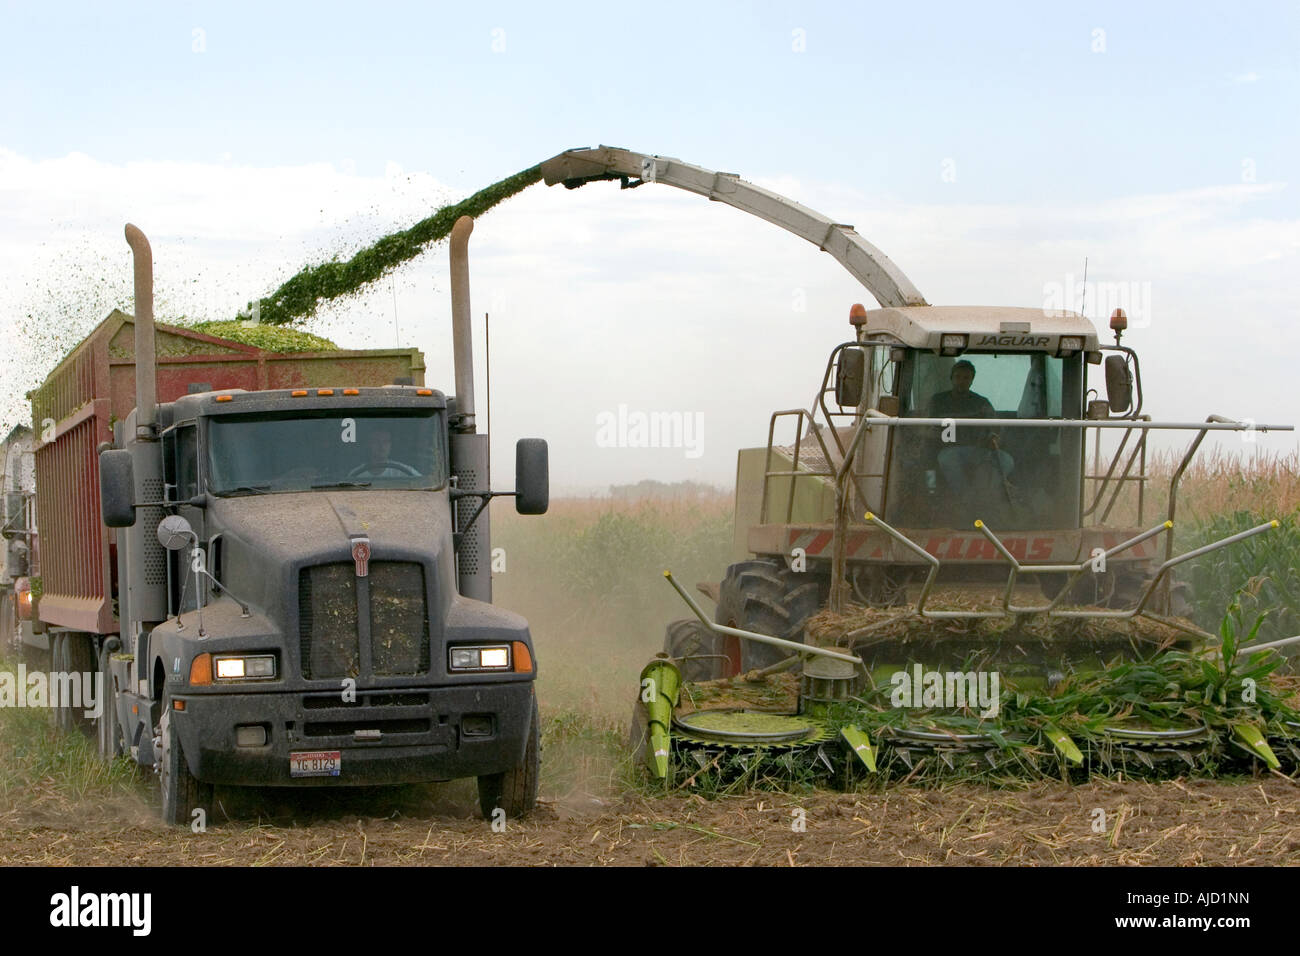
(391, 736)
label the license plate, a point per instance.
(315, 763)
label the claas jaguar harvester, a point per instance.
(936, 564)
(296, 588)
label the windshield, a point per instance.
(1027, 477)
(361, 449)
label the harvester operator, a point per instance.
(971, 447)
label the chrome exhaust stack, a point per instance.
(146, 388)
(462, 333)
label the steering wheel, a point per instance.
(365, 469)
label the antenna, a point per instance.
(1083, 304)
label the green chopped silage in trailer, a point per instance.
(273, 338)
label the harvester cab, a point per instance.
(933, 569)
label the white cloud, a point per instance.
(651, 298)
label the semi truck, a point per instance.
(273, 570)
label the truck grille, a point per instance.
(327, 621)
(399, 620)
(329, 624)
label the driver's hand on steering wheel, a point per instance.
(377, 469)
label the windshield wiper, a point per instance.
(342, 484)
(247, 490)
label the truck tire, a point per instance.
(767, 597)
(8, 622)
(111, 744)
(73, 653)
(515, 791)
(687, 638)
(182, 793)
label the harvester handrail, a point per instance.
(1104, 480)
(846, 454)
(1076, 571)
(1139, 448)
(1208, 425)
(1221, 424)
(815, 430)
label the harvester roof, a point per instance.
(988, 327)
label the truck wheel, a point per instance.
(111, 745)
(62, 716)
(767, 597)
(515, 791)
(687, 638)
(8, 622)
(182, 794)
(74, 654)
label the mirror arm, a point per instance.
(243, 608)
(485, 497)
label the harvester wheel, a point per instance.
(710, 655)
(767, 597)
(515, 791)
(182, 793)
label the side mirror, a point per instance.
(117, 488)
(532, 476)
(1119, 384)
(175, 533)
(849, 372)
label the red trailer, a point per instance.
(75, 409)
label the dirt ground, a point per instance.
(1180, 822)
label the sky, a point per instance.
(988, 150)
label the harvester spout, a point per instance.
(461, 330)
(146, 391)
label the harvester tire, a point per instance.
(767, 597)
(515, 791)
(182, 792)
(690, 639)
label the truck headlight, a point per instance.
(494, 658)
(245, 667)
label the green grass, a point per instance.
(35, 757)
